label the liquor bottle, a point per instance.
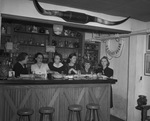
(11, 73)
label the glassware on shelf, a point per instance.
(3, 29)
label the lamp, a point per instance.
(57, 29)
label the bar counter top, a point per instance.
(55, 81)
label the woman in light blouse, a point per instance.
(40, 68)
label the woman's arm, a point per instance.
(72, 70)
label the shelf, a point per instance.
(60, 36)
(91, 49)
(31, 33)
(66, 48)
(7, 35)
(32, 45)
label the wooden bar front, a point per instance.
(16, 94)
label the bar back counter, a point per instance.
(19, 93)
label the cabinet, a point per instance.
(33, 37)
(70, 41)
(92, 52)
(26, 37)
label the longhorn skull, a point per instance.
(76, 17)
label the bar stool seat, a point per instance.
(93, 112)
(74, 112)
(93, 106)
(75, 107)
(46, 111)
(25, 112)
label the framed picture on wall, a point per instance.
(147, 64)
(148, 43)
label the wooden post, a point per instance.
(1, 104)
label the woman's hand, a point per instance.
(56, 73)
(72, 69)
(49, 71)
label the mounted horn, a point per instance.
(76, 17)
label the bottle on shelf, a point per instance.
(11, 73)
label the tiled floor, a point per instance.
(113, 118)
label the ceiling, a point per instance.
(137, 9)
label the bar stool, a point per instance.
(92, 113)
(74, 112)
(25, 112)
(46, 111)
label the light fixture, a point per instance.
(57, 29)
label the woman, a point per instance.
(86, 68)
(105, 70)
(20, 67)
(72, 66)
(104, 67)
(57, 66)
(40, 69)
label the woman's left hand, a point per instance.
(72, 69)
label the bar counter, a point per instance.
(18, 93)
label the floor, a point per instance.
(113, 118)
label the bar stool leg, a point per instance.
(91, 115)
(41, 117)
(98, 117)
(69, 116)
(78, 116)
(21, 118)
(72, 116)
(29, 118)
(50, 117)
(94, 115)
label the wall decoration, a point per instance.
(148, 43)
(76, 17)
(114, 47)
(147, 64)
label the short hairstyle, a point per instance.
(70, 56)
(86, 61)
(57, 54)
(36, 55)
(21, 56)
(104, 57)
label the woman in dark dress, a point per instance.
(72, 67)
(57, 66)
(104, 67)
(105, 70)
(20, 67)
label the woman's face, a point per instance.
(25, 60)
(57, 59)
(39, 59)
(87, 65)
(73, 59)
(104, 62)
